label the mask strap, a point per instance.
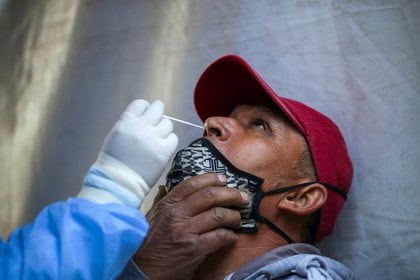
(255, 210)
(286, 189)
(260, 194)
(276, 229)
(327, 186)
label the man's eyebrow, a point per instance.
(274, 115)
(268, 111)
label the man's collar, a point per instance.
(273, 256)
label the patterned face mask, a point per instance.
(201, 156)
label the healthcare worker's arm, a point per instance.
(94, 235)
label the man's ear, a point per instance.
(304, 201)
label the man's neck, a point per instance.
(229, 259)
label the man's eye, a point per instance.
(262, 124)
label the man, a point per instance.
(94, 235)
(286, 169)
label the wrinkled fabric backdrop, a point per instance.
(69, 68)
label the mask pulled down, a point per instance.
(200, 157)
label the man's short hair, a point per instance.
(304, 168)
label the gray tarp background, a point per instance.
(69, 68)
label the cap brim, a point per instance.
(230, 81)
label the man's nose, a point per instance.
(220, 128)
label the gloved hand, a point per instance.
(133, 156)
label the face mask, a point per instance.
(201, 157)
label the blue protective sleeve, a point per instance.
(76, 239)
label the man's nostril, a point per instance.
(215, 132)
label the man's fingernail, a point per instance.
(222, 178)
(245, 196)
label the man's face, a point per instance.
(256, 140)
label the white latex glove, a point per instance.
(133, 156)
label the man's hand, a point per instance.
(133, 156)
(187, 224)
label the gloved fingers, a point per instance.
(164, 128)
(172, 142)
(167, 147)
(154, 112)
(135, 109)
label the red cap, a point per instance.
(230, 81)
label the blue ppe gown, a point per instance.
(76, 239)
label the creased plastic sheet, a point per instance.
(68, 69)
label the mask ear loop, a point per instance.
(277, 230)
(260, 194)
(256, 206)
